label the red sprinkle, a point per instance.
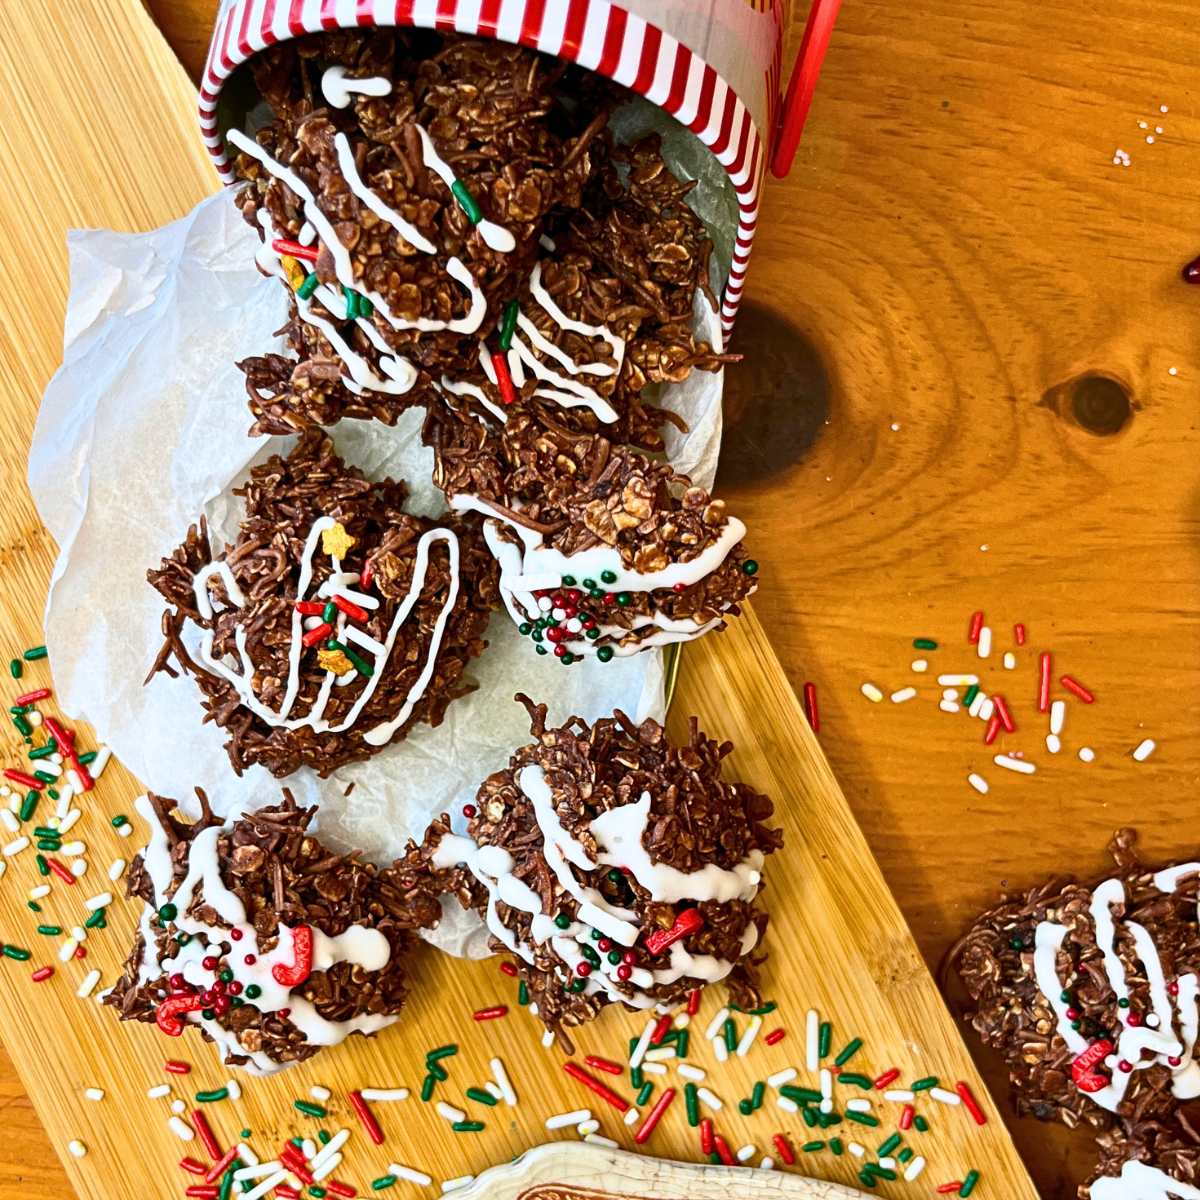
(33, 697)
(1019, 634)
(202, 1191)
(283, 1192)
(339, 1189)
(1044, 682)
(366, 574)
(61, 871)
(205, 1133)
(655, 1115)
(166, 1015)
(661, 1028)
(295, 249)
(810, 707)
(602, 1090)
(292, 1159)
(221, 1165)
(42, 973)
(784, 1148)
(974, 628)
(906, 1116)
(354, 611)
(722, 1149)
(309, 608)
(80, 952)
(706, 1135)
(504, 382)
(1005, 716)
(892, 1073)
(175, 1067)
(604, 1064)
(1073, 685)
(26, 781)
(953, 1186)
(366, 1117)
(776, 1035)
(509, 969)
(490, 1014)
(318, 633)
(693, 1004)
(301, 968)
(970, 1103)
(993, 729)
(688, 921)
(191, 1165)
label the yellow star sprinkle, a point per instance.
(335, 661)
(293, 270)
(336, 541)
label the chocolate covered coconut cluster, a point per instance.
(455, 226)
(334, 622)
(616, 866)
(1091, 995)
(267, 942)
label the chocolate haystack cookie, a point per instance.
(266, 941)
(1091, 995)
(603, 550)
(616, 866)
(334, 622)
(455, 224)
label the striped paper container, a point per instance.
(714, 65)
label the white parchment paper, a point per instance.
(143, 428)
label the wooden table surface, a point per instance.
(970, 384)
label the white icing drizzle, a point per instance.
(618, 834)
(338, 89)
(359, 944)
(406, 229)
(1156, 1039)
(1140, 1181)
(243, 679)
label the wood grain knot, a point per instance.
(1097, 403)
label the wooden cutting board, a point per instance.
(97, 128)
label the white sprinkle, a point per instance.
(1172, 370)
(986, 709)
(895, 426)
(126, 830)
(690, 1072)
(319, 1093)
(858, 1105)
(75, 780)
(887, 1162)
(79, 933)
(1143, 125)
(1014, 764)
(63, 808)
(450, 1112)
(985, 639)
(77, 1148)
(234, 1088)
(256, 1170)
(1086, 753)
(97, 765)
(15, 847)
(269, 1184)
(711, 1100)
(907, 693)
(919, 665)
(767, 1163)
(385, 1094)
(812, 1036)
(872, 693)
(746, 1152)
(899, 1096)
(657, 1068)
(714, 1026)
(1143, 750)
(10, 821)
(682, 1021)
(957, 680)
(178, 1107)
(586, 1127)
(247, 1155)
(1053, 743)
(79, 867)
(597, 1140)
(35, 718)
(50, 767)
(949, 706)
(856, 1148)
(950, 694)
(1010, 661)
(743, 1047)
(720, 1049)
(978, 783)
(643, 1044)
(788, 1106)
(659, 1054)
(547, 1039)
(914, 1168)
(1162, 108)
(93, 1093)
(501, 1077)
(42, 889)
(103, 900)
(563, 1119)
(326, 1166)
(632, 1115)
(409, 1174)
(826, 1083)
(942, 1096)
(780, 1077)
(1058, 716)
(116, 869)
(493, 1089)
(67, 949)
(183, 1131)
(159, 1090)
(452, 1185)
(1149, 139)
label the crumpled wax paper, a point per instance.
(143, 428)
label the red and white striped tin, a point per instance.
(714, 65)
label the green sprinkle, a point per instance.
(49, 930)
(636, 1076)
(436, 1069)
(467, 202)
(45, 831)
(568, 581)
(921, 1085)
(298, 1142)
(1123, 1002)
(969, 695)
(812, 1147)
(644, 1093)
(729, 1031)
(245, 1133)
(856, 1080)
(467, 1126)
(562, 921)
(624, 599)
(216, 1094)
(15, 952)
(168, 912)
(715, 1159)
(474, 1093)
(848, 1052)
(750, 567)
(880, 1172)
(15, 668)
(905, 1154)
(523, 993)
(20, 708)
(43, 751)
(359, 663)
(34, 653)
(810, 1116)
(745, 1107)
(691, 1100)
(764, 1009)
(604, 653)
(968, 1184)
(384, 1181)
(351, 298)
(365, 307)
(828, 1119)
(866, 1179)
(681, 1044)
(835, 1144)
(52, 793)
(308, 1108)
(324, 1137)
(824, 1038)
(329, 613)
(317, 1192)
(447, 1051)
(44, 776)
(508, 324)
(800, 1095)
(885, 1148)
(924, 644)
(29, 804)
(23, 726)
(226, 1185)
(50, 844)
(756, 1096)
(33, 905)
(862, 1118)
(42, 865)
(310, 285)
(427, 1087)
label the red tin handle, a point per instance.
(802, 84)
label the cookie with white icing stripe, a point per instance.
(616, 867)
(334, 622)
(269, 944)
